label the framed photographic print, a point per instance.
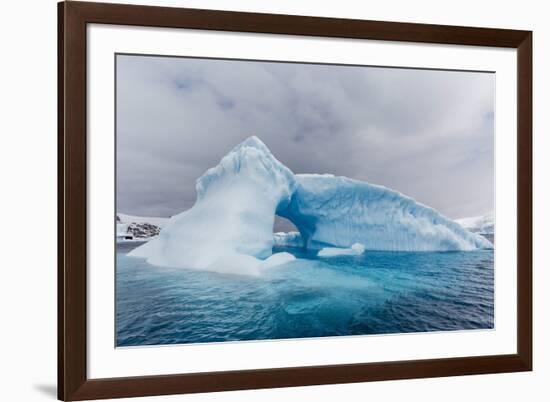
(253, 200)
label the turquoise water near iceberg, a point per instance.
(374, 293)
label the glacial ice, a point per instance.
(355, 249)
(484, 224)
(288, 239)
(230, 226)
(338, 211)
(121, 229)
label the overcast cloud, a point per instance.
(427, 134)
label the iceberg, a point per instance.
(355, 249)
(484, 224)
(337, 211)
(289, 239)
(122, 234)
(230, 226)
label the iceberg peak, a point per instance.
(252, 142)
(252, 162)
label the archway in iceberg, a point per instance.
(231, 224)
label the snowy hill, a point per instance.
(131, 227)
(484, 224)
(153, 220)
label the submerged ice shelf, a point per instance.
(355, 249)
(230, 226)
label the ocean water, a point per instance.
(375, 293)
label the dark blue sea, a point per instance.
(375, 293)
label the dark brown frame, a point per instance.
(73, 383)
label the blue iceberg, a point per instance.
(338, 211)
(230, 227)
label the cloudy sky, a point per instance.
(427, 134)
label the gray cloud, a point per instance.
(428, 134)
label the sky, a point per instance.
(426, 133)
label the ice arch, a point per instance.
(232, 220)
(338, 211)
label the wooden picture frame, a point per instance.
(73, 382)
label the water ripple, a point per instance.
(376, 293)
